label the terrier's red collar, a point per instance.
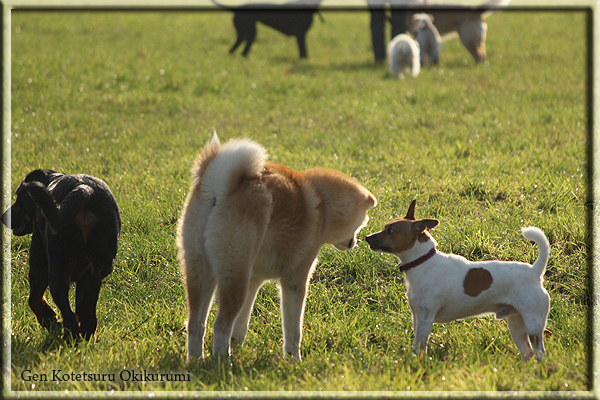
(417, 262)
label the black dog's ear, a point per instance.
(41, 196)
(43, 176)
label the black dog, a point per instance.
(292, 19)
(75, 223)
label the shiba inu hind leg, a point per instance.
(231, 259)
(200, 293)
(240, 326)
(231, 295)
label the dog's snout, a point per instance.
(372, 240)
(376, 243)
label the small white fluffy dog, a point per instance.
(428, 37)
(403, 56)
(445, 287)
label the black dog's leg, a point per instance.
(250, 36)
(59, 288)
(88, 289)
(302, 45)
(236, 44)
(245, 27)
(38, 282)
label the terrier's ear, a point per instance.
(410, 214)
(430, 17)
(423, 224)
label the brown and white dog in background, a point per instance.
(445, 287)
(468, 22)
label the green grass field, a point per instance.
(131, 97)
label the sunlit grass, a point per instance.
(132, 96)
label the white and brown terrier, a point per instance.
(445, 287)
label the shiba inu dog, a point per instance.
(247, 221)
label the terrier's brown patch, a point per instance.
(476, 281)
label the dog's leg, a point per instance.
(535, 323)
(249, 35)
(537, 342)
(435, 57)
(239, 30)
(86, 295)
(200, 286)
(301, 39)
(516, 326)
(473, 35)
(38, 282)
(60, 270)
(422, 325)
(232, 292)
(232, 257)
(237, 43)
(240, 326)
(293, 298)
(59, 288)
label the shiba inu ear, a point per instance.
(422, 224)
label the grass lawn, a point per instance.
(131, 97)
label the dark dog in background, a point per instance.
(75, 224)
(292, 19)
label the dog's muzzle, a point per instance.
(21, 226)
(375, 245)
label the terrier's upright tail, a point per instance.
(536, 235)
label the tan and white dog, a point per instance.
(247, 221)
(445, 287)
(468, 22)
